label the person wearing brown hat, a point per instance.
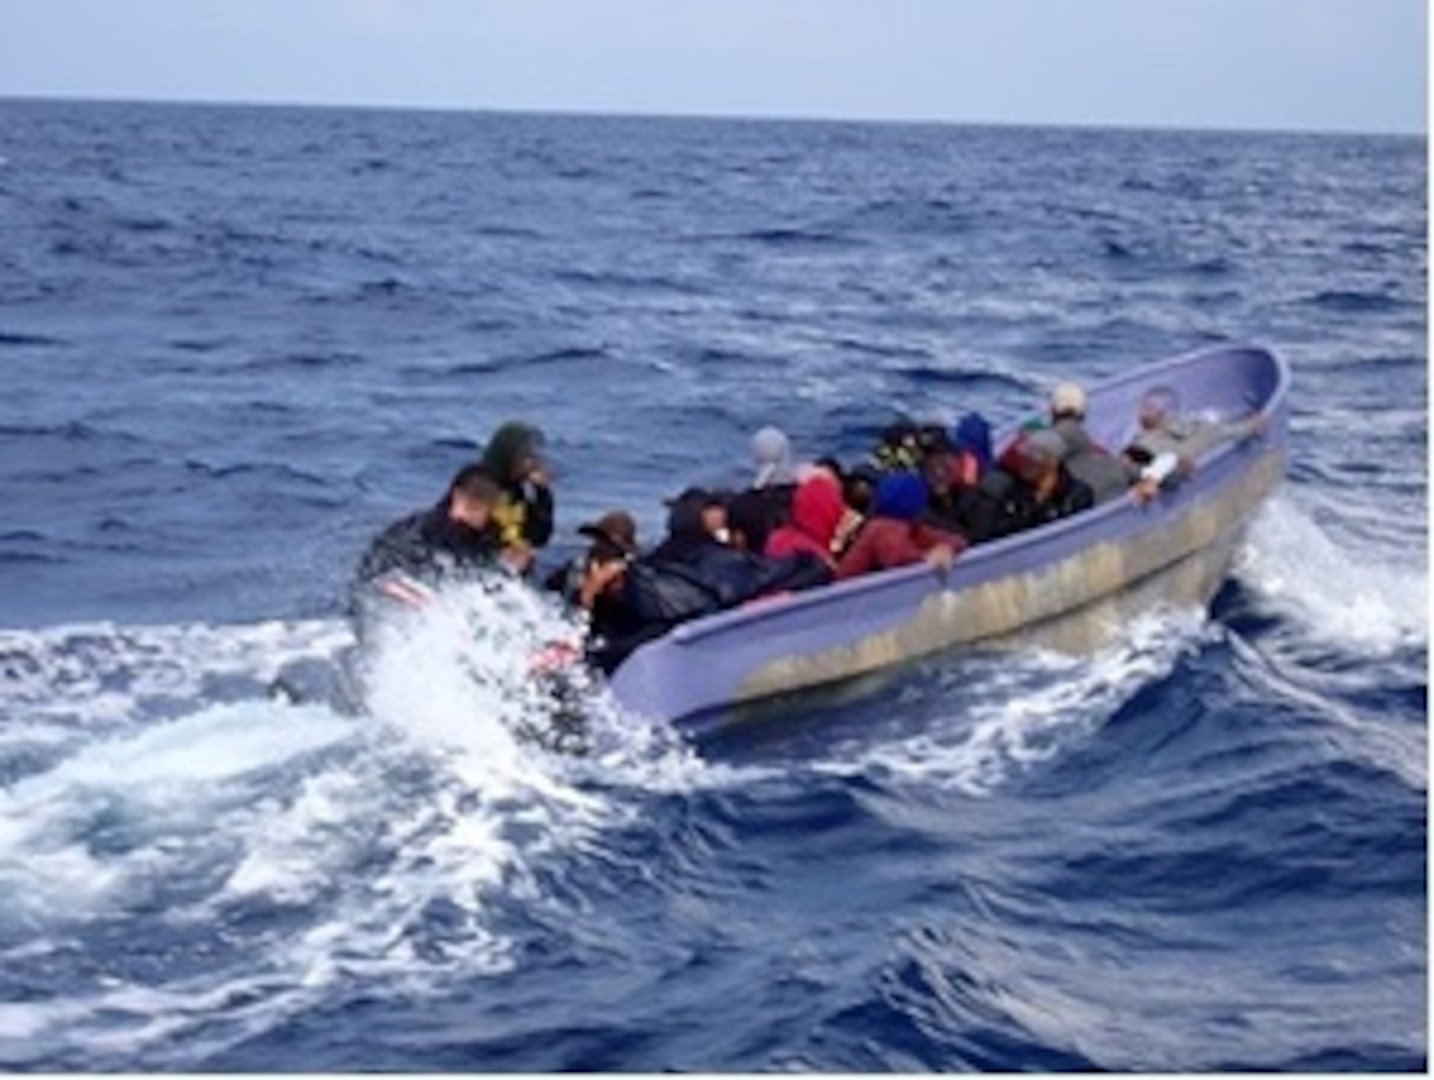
(613, 534)
(613, 542)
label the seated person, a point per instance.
(612, 536)
(696, 551)
(1045, 490)
(1085, 459)
(772, 454)
(817, 513)
(455, 540)
(900, 447)
(971, 439)
(690, 574)
(1168, 442)
(951, 485)
(894, 536)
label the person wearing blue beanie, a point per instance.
(895, 535)
(900, 495)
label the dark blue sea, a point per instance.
(235, 342)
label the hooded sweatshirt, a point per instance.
(525, 514)
(817, 510)
(772, 451)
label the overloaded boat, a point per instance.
(1070, 585)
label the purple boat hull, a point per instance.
(1070, 585)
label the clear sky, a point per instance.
(1331, 65)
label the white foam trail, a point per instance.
(1347, 594)
(1002, 717)
(130, 790)
(165, 785)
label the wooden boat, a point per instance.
(1070, 585)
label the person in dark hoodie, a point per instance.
(524, 514)
(1045, 490)
(457, 539)
(694, 572)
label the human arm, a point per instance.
(538, 521)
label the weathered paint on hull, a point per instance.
(1075, 605)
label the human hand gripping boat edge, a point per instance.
(1071, 585)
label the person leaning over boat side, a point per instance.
(1045, 490)
(894, 536)
(525, 513)
(1166, 447)
(1085, 459)
(457, 539)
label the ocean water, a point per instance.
(235, 342)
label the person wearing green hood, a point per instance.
(524, 514)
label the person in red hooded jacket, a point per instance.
(817, 511)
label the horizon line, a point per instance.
(740, 117)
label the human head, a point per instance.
(973, 435)
(938, 472)
(859, 486)
(772, 454)
(471, 497)
(514, 452)
(1038, 456)
(900, 495)
(1157, 406)
(817, 506)
(697, 512)
(613, 536)
(1068, 400)
(900, 446)
(747, 520)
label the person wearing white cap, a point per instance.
(1084, 458)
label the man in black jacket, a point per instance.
(456, 539)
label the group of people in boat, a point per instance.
(925, 494)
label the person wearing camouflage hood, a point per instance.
(524, 514)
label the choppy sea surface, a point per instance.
(235, 342)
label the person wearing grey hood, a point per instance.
(1088, 462)
(772, 453)
(1169, 442)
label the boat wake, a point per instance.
(238, 860)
